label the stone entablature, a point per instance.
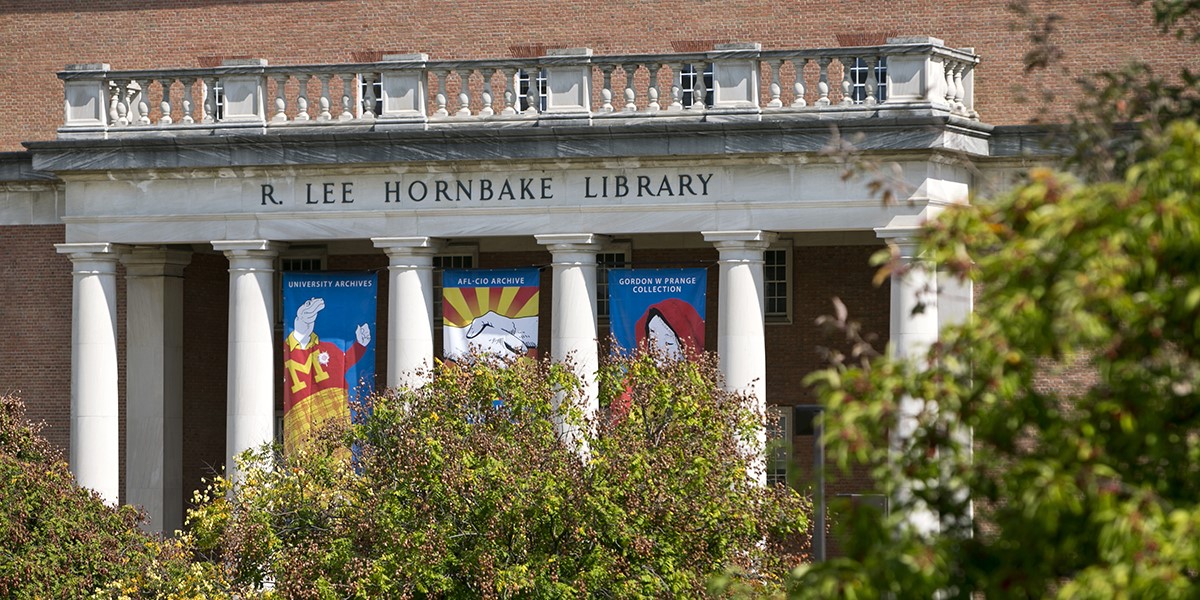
(564, 87)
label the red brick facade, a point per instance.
(45, 36)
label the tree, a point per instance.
(467, 487)
(1086, 494)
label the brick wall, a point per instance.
(42, 36)
(205, 344)
(35, 321)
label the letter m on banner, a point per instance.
(328, 354)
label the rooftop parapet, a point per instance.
(734, 82)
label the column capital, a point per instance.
(571, 242)
(904, 233)
(740, 246)
(233, 248)
(93, 257)
(254, 255)
(396, 247)
(155, 262)
(747, 239)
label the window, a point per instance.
(687, 81)
(301, 263)
(456, 260)
(611, 259)
(295, 259)
(370, 85)
(777, 284)
(522, 86)
(779, 444)
(858, 80)
(218, 94)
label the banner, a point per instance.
(490, 311)
(659, 307)
(328, 354)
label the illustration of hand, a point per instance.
(363, 334)
(306, 318)
(503, 335)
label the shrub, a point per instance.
(58, 540)
(465, 488)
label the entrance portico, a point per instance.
(727, 179)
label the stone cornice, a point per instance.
(802, 134)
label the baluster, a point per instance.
(368, 109)
(949, 95)
(872, 81)
(798, 87)
(122, 102)
(464, 99)
(440, 78)
(652, 90)
(323, 101)
(114, 99)
(165, 106)
(823, 82)
(488, 99)
(676, 87)
(347, 91)
(698, 90)
(534, 91)
(302, 97)
(123, 99)
(188, 97)
(606, 93)
(510, 98)
(280, 100)
(775, 89)
(959, 91)
(139, 102)
(847, 81)
(630, 93)
(208, 86)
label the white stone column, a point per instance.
(95, 435)
(154, 384)
(913, 329)
(573, 325)
(410, 308)
(741, 337)
(250, 411)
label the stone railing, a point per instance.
(567, 87)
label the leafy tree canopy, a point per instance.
(1085, 493)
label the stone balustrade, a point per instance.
(564, 87)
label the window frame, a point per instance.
(687, 84)
(789, 267)
(521, 82)
(450, 252)
(317, 253)
(623, 248)
(780, 448)
(858, 80)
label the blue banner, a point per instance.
(660, 308)
(328, 349)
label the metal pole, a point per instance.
(819, 466)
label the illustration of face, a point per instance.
(663, 338)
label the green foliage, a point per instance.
(60, 541)
(1091, 494)
(466, 488)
